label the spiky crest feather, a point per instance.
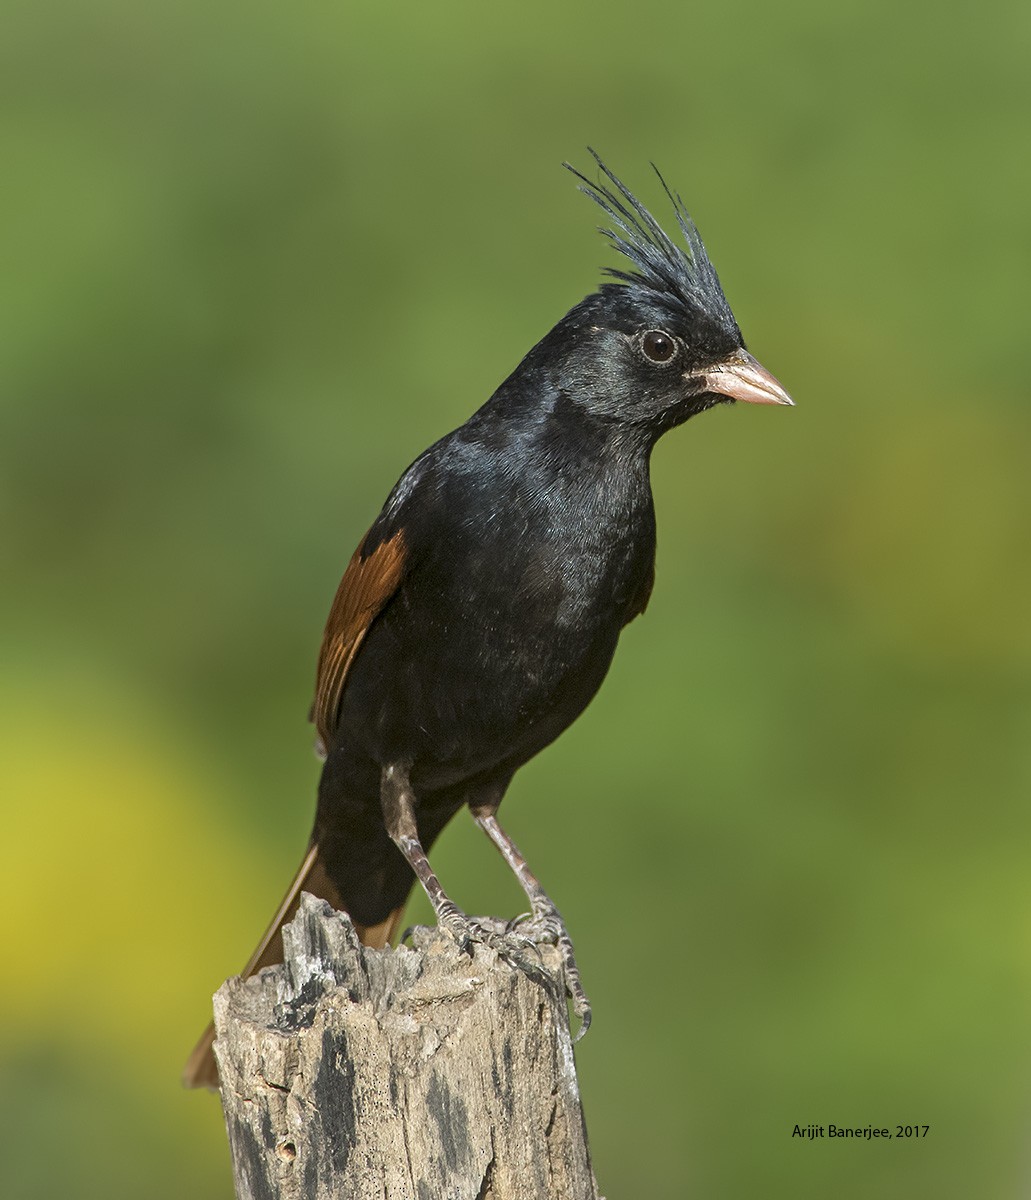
(661, 266)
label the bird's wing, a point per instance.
(369, 583)
(640, 601)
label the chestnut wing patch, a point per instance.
(368, 584)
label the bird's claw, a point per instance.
(511, 941)
(545, 926)
(541, 927)
(462, 931)
(465, 930)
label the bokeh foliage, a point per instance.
(256, 256)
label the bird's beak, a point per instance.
(741, 377)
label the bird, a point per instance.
(480, 613)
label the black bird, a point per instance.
(481, 611)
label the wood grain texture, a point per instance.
(201, 1069)
(406, 1074)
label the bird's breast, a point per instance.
(496, 642)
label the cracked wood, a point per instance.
(407, 1074)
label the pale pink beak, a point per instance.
(741, 377)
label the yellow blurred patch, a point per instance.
(114, 860)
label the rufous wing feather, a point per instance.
(369, 582)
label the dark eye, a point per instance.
(657, 346)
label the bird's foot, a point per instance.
(512, 947)
(545, 925)
(511, 941)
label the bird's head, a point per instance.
(661, 344)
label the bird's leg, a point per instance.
(399, 815)
(545, 922)
(398, 803)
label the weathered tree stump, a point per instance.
(406, 1074)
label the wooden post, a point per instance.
(406, 1074)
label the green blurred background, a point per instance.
(256, 257)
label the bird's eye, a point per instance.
(658, 347)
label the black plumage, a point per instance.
(481, 612)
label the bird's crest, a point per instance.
(661, 267)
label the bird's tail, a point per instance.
(201, 1069)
